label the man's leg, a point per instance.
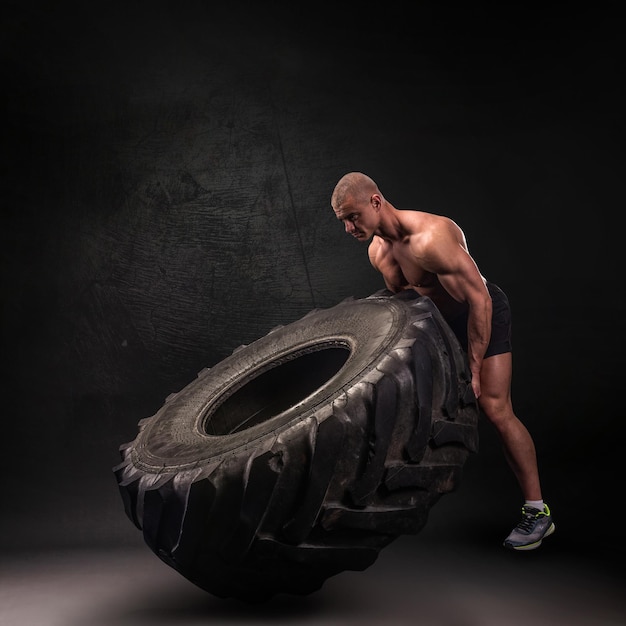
(495, 402)
(519, 449)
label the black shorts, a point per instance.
(500, 341)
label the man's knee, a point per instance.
(496, 410)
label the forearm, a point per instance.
(477, 346)
(478, 334)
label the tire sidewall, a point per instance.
(176, 438)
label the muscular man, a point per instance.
(428, 253)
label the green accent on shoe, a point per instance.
(531, 530)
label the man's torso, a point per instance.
(401, 269)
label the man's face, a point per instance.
(360, 220)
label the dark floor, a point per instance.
(430, 584)
(452, 574)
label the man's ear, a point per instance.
(376, 202)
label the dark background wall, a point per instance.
(166, 199)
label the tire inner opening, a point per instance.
(276, 390)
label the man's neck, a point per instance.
(391, 228)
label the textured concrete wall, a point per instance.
(166, 199)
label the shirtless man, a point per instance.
(428, 253)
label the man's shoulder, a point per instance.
(373, 250)
(420, 219)
(375, 244)
(424, 222)
(417, 223)
(421, 214)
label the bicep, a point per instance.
(464, 282)
(455, 268)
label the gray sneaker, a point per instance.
(534, 526)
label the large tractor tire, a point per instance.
(306, 452)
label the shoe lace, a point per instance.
(528, 520)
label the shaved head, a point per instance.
(353, 187)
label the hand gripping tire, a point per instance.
(306, 452)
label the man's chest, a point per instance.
(401, 268)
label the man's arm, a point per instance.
(442, 251)
(373, 253)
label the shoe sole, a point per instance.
(532, 546)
